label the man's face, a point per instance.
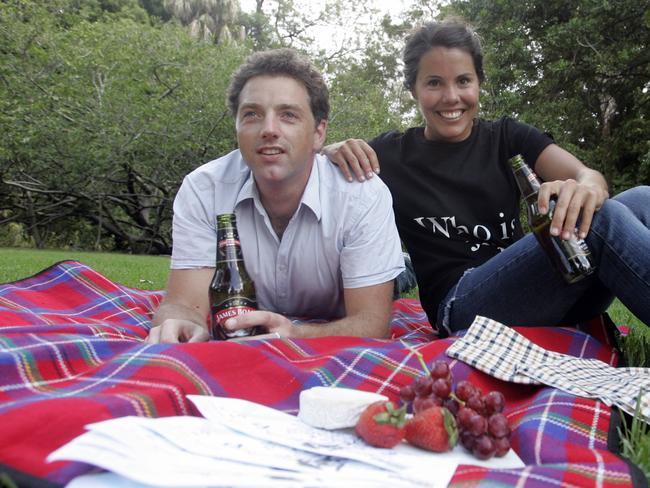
(276, 130)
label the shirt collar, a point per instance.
(310, 197)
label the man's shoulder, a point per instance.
(228, 169)
(332, 178)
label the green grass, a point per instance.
(635, 441)
(146, 272)
(636, 344)
(150, 272)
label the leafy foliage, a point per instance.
(348, 92)
(103, 119)
(106, 104)
(208, 20)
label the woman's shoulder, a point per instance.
(513, 137)
(504, 123)
(496, 124)
(388, 137)
(395, 138)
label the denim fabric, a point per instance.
(520, 286)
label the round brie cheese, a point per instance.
(334, 408)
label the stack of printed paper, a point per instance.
(241, 444)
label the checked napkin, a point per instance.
(507, 355)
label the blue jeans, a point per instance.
(520, 286)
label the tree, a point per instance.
(155, 9)
(102, 115)
(360, 107)
(298, 23)
(101, 120)
(207, 19)
(103, 109)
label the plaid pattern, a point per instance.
(72, 353)
(505, 354)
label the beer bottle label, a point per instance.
(229, 308)
(574, 248)
(232, 307)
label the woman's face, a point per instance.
(447, 92)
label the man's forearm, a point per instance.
(359, 325)
(368, 315)
(176, 311)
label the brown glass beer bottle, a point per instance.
(231, 291)
(571, 257)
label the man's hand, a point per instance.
(181, 315)
(274, 323)
(177, 330)
(353, 156)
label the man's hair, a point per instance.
(282, 62)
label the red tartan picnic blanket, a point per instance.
(72, 353)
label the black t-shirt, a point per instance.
(456, 204)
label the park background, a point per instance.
(106, 104)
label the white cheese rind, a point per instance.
(334, 408)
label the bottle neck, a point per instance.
(527, 180)
(228, 245)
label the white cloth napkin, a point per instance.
(503, 353)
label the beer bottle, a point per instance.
(232, 291)
(571, 257)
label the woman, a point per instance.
(457, 204)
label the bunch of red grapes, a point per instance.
(482, 426)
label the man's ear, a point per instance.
(320, 134)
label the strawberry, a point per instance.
(381, 424)
(433, 429)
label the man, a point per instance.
(314, 245)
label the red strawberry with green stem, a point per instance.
(433, 429)
(381, 424)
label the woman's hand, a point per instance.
(574, 201)
(579, 191)
(353, 157)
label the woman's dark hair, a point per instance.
(281, 62)
(451, 33)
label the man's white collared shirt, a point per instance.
(342, 235)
